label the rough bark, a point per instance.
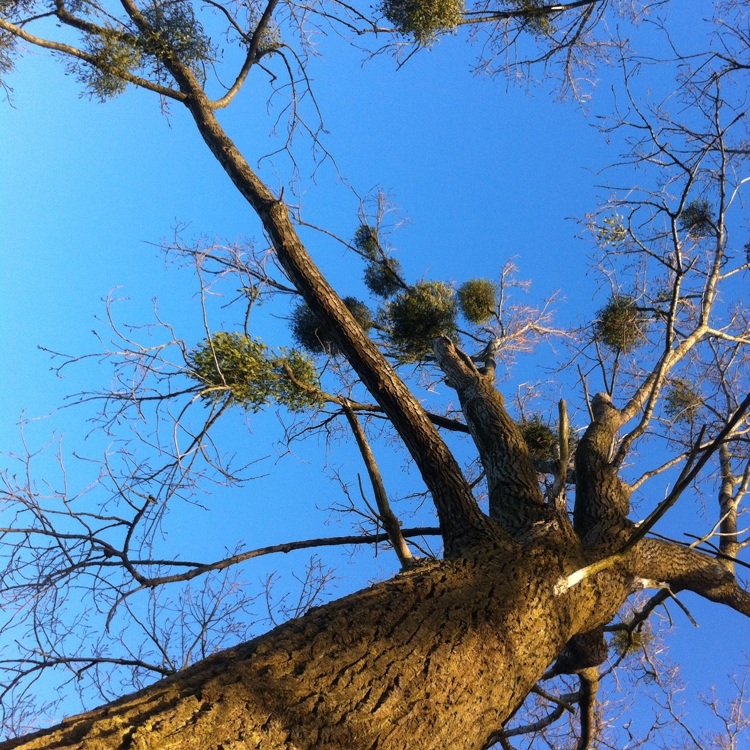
(602, 499)
(516, 500)
(437, 657)
(442, 655)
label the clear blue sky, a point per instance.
(482, 171)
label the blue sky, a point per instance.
(483, 172)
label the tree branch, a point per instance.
(70, 51)
(387, 516)
(516, 500)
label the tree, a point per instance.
(523, 591)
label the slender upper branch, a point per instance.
(387, 516)
(252, 56)
(78, 54)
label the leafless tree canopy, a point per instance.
(519, 551)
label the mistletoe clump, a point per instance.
(537, 17)
(366, 241)
(176, 31)
(696, 218)
(423, 19)
(476, 298)
(621, 325)
(682, 401)
(114, 55)
(627, 642)
(243, 369)
(539, 438)
(383, 278)
(418, 315)
(612, 231)
(382, 273)
(310, 333)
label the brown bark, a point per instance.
(602, 499)
(442, 655)
(437, 657)
(516, 500)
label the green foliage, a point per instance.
(8, 46)
(360, 311)
(620, 325)
(296, 385)
(308, 331)
(612, 231)
(382, 274)
(627, 643)
(477, 300)
(537, 20)
(270, 38)
(113, 57)
(418, 315)
(311, 334)
(383, 277)
(177, 32)
(367, 242)
(539, 438)
(681, 402)
(696, 218)
(234, 365)
(423, 19)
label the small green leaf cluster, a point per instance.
(418, 315)
(696, 218)
(270, 38)
(382, 273)
(383, 277)
(113, 57)
(366, 241)
(682, 402)
(539, 438)
(627, 643)
(233, 364)
(174, 31)
(537, 20)
(477, 300)
(310, 333)
(612, 231)
(620, 324)
(423, 19)
(177, 32)
(8, 44)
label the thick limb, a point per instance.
(688, 570)
(461, 521)
(602, 499)
(516, 500)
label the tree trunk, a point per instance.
(437, 657)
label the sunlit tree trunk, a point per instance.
(438, 657)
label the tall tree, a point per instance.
(448, 650)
